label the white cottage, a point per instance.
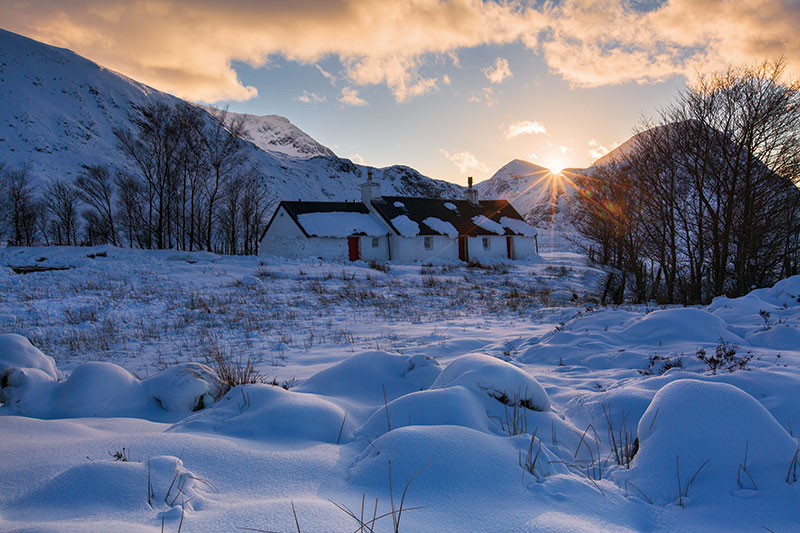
(399, 228)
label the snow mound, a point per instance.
(487, 375)
(406, 226)
(450, 453)
(454, 406)
(363, 376)
(670, 325)
(778, 337)
(184, 387)
(690, 422)
(17, 352)
(785, 293)
(99, 389)
(116, 488)
(267, 412)
(251, 281)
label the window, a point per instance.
(429, 243)
(486, 243)
(376, 242)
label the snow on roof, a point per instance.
(461, 218)
(340, 224)
(406, 226)
(519, 227)
(488, 225)
(441, 226)
(399, 205)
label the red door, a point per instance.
(510, 246)
(352, 246)
(463, 248)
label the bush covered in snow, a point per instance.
(17, 352)
(708, 437)
(106, 389)
(494, 378)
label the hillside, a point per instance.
(59, 112)
(533, 190)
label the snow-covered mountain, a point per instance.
(274, 133)
(533, 190)
(59, 111)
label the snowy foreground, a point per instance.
(502, 399)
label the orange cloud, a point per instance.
(525, 127)
(186, 47)
(465, 161)
(498, 72)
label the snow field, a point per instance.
(494, 409)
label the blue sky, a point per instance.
(449, 87)
(461, 117)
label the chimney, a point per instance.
(471, 194)
(370, 190)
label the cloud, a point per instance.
(525, 127)
(498, 72)
(603, 42)
(485, 95)
(311, 98)
(188, 47)
(465, 161)
(597, 150)
(350, 97)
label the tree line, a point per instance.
(189, 185)
(705, 200)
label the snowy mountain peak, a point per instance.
(518, 168)
(59, 111)
(274, 133)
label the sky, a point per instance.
(452, 88)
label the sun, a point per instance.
(555, 168)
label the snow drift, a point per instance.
(715, 437)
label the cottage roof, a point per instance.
(407, 216)
(439, 217)
(333, 219)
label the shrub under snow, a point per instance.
(690, 422)
(266, 412)
(17, 352)
(106, 389)
(453, 406)
(493, 377)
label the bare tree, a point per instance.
(21, 203)
(224, 153)
(709, 195)
(153, 147)
(130, 208)
(62, 203)
(96, 189)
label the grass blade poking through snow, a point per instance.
(793, 466)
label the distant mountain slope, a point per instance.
(533, 190)
(59, 111)
(274, 133)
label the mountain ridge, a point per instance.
(61, 110)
